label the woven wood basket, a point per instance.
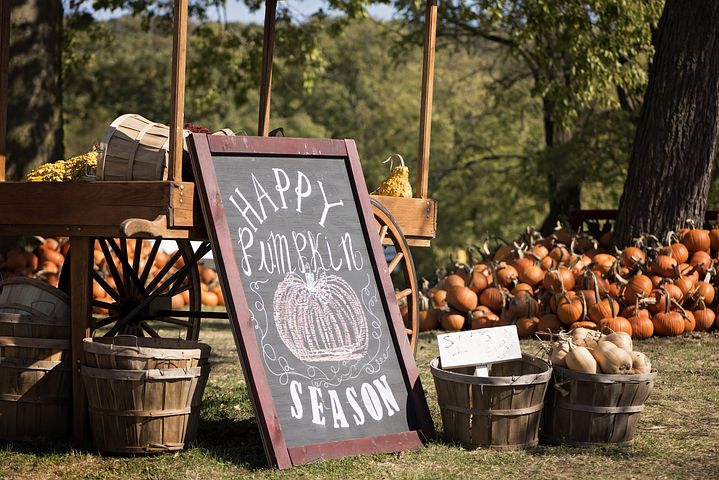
(134, 148)
(132, 353)
(34, 398)
(43, 349)
(501, 411)
(584, 409)
(144, 411)
(36, 325)
(37, 298)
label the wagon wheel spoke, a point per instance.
(403, 294)
(173, 321)
(109, 306)
(128, 273)
(382, 233)
(112, 268)
(114, 294)
(149, 262)
(182, 273)
(137, 256)
(156, 292)
(106, 321)
(151, 331)
(408, 331)
(395, 261)
(121, 253)
(163, 272)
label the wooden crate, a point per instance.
(584, 409)
(500, 412)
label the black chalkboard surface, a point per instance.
(304, 277)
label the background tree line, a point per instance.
(535, 106)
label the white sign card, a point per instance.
(479, 347)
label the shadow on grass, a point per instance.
(45, 446)
(234, 441)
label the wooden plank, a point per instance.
(96, 204)
(95, 231)
(360, 446)
(177, 108)
(268, 45)
(417, 217)
(5, 8)
(80, 264)
(425, 118)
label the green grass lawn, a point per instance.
(678, 435)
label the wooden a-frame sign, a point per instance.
(316, 324)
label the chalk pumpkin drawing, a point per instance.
(319, 318)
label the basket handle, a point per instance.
(137, 345)
(32, 305)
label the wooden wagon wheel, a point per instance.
(405, 280)
(140, 297)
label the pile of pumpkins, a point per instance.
(45, 262)
(566, 281)
(591, 351)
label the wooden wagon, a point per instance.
(125, 217)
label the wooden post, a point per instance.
(268, 45)
(80, 264)
(5, 8)
(177, 113)
(425, 119)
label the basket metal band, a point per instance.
(599, 409)
(141, 413)
(499, 413)
(9, 397)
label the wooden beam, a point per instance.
(177, 108)
(268, 46)
(80, 262)
(425, 119)
(5, 8)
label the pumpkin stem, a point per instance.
(681, 309)
(617, 276)
(667, 298)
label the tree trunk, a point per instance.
(35, 87)
(563, 192)
(676, 140)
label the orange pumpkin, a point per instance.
(527, 327)
(615, 325)
(642, 326)
(452, 321)
(668, 324)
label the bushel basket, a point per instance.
(587, 409)
(501, 411)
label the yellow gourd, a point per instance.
(65, 170)
(397, 184)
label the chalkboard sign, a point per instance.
(317, 326)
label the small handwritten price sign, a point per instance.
(317, 327)
(479, 347)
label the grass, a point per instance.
(677, 437)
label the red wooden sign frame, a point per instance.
(203, 148)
